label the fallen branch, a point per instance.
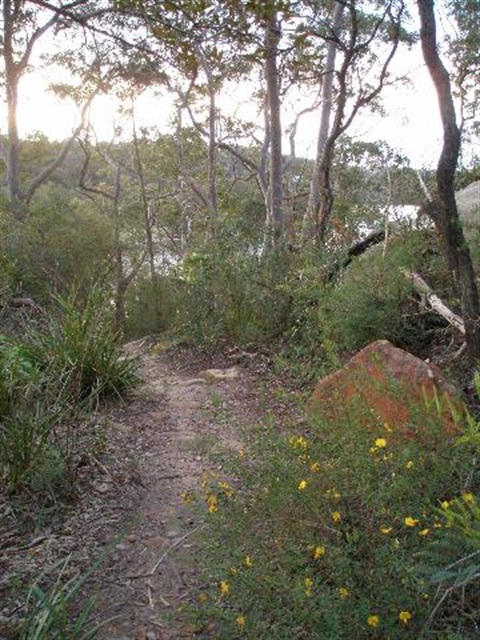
(434, 301)
(356, 250)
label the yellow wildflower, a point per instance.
(248, 561)
(224, 587)
(227, 489)
(373, 621)
(373, 450)
(298, 443)
(387, 427)
(445, 504)
(405, 616)
(233, 571)
(240, 620)
(315, 467)
(468, 497)
(386, 530)
(381, 443)
(409, 464)
(308, 582)
(302, 485)
(212, 502)
(336, 517)
(318, 552)
(424, 532)
(344, 592)
(411, 522)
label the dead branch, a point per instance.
(428, 295)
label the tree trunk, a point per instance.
(11, 80)
(212, 138)
(317, 184)
(121, 283)
(443, 209)
(275, 214)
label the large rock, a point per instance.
(384, 384)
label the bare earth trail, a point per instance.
(161, 445)
(138, 460)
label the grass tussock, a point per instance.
(48, 380)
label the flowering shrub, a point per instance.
(343, 528)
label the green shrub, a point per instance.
(151, 306)
(371, 301)
(229, 292)
(335, 532)
(47, 381)
(81, 350)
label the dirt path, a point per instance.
(174, 423)
(177, 421)
(176, 427)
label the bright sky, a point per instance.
(412, 123)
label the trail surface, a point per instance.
(176, 423)
(176, 426)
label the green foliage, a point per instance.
(151, 306)
(64, 244)
(50, 611)
(227, 291)
(47, 379)
(81, 350)
(367, 303)
(335, 532)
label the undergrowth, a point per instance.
(338, 531)
(49, 379)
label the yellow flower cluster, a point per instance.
(224, 588)
(405, 616)
(248, 561)
(308, 583)
(241, 621)
(318, 552)
(373, 621)
(227, 489)
(298, 442)
(212, 502)
(411, 522)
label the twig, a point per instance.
(24, 547)
(149, 595)
(173, 546)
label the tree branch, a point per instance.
(47, 172)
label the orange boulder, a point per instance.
(385, 384)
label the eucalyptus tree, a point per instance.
(23, 24)
(364, 37)
(443, 208)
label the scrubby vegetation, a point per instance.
(49, 378)
(341, 531)
(207, 232)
